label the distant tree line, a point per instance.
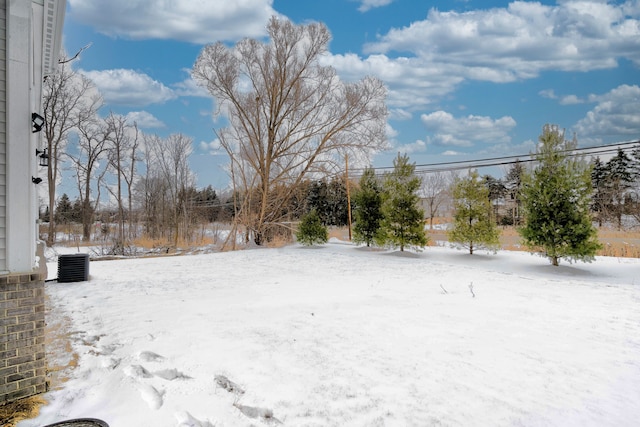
(288, 139)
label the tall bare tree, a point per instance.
(68, 99)
(169, 162)
(129, 175)
(122, 140)
(91, 147)
(151, 189)
(434, 192)
(289, 116)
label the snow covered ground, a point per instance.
(344, 336)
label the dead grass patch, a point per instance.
(12, 413)
(621, 250)
(340, 233)
(608, 233)
(149, 243)
(615, 243)
(279, 241)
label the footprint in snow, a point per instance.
(228, 385)
(151, 395)
(255, 412)
(171, 374)
(137, 371)
(106, 350)
(185, 419)
(110, 362)
(149, 356)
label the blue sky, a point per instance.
(467, 79)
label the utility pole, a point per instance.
(346, 161)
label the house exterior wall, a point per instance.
(3, 135)
(20, 156)
(30, 33)
(22, 356)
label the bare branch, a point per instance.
(290, 117)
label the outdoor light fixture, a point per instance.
(43, 157)
(37, 121)
(36, 180)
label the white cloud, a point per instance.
(144, 120)
(571, 100)
(187, 20)
(615, 117)
(213, 147)
(520, 41)
(188, 87)
(548, 93)
(413, 83)
(563, 100)
(508, 148)
(366, 5)
(466, 131)
(400, 114)
(129, 87)
(418, 146)
(430, 58)
(390, 131)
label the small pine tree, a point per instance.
(367, 209)
(403, 223)
(64, 210)
(311, 230)
(473, 226)
(556, 199)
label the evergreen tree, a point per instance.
(208, 203)
(367, 209)
(635, 195)
(329, 199)
(403, 223)
(635, 155)
(513, 183)
(311, 230)
(496, 191)
(77, 211)
(556, 198)
(64, 210)
(317, 197)
(473, 226)
(619, 179)
(600, 198)
(337, 202)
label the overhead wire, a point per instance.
(506, 160)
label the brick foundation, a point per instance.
(22, 356)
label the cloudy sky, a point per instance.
(467, 79)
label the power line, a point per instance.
(507, 160)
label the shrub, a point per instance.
(311, 230)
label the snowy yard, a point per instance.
(344, 336)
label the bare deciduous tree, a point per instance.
(151, 189)
(168, 166)
(122, 141)
(92, 136)
(289, 116)
(68, 99)
(129, 175)
(434, 192)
